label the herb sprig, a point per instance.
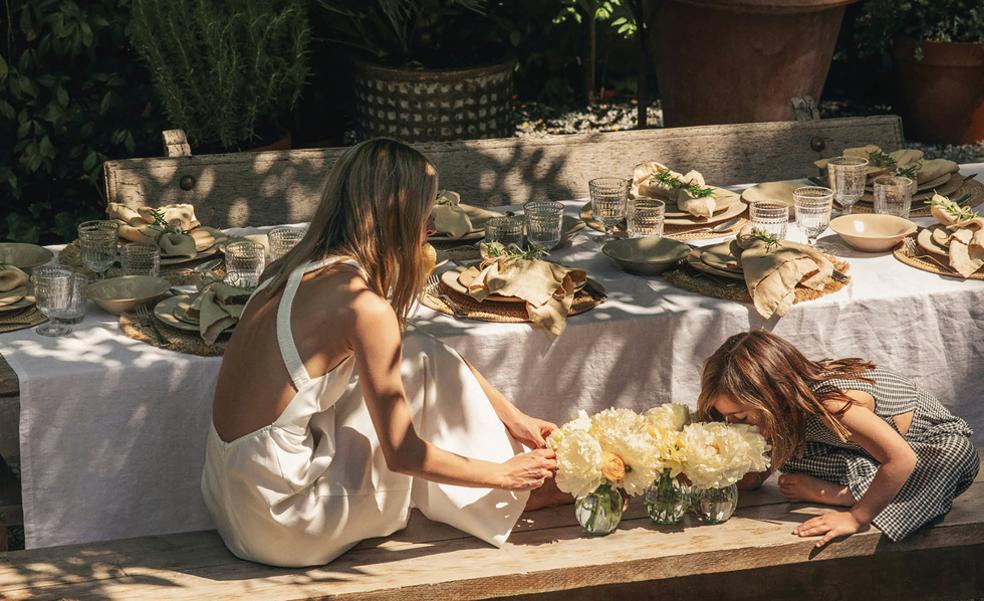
(497, 250)
(771, 240)
(910, 172)
(160, 220)
(665, 178)
(953, 208)
(5, 266)
(877, 158)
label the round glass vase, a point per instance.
(717, 505)
(600, 512)
(667, 500)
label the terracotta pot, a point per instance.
(434, 104)
(284, 143)
(942, 94)
(739, 61)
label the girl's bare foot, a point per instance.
(801, 487)
(547, 495)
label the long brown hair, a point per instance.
(762, 371)
(375, 203)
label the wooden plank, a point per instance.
(541, 561)
(8, 380)
(267, 188)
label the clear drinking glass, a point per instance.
(544, 223)
(53, 285)
(244, 262)
(813, 206)
(140, 259)
(282, 239)
(893, 195)
(645, 218)
(847, 178)
(771, 217)
(609, 196)
(97, 242)
(505, 231)
(76, 306)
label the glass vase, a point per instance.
(667, 500)
(717, 505)
(600, 512)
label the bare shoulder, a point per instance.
(858, 398)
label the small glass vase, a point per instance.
(667, 500)
(600, 512)
(717, 505)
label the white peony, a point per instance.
(719, 454)
(669, 416)
(579, 457)
(623, 433)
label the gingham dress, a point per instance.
(946, 464)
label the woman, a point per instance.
(846, 433)
(327, 427)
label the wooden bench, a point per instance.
(752, 556)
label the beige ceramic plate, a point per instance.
(164, 312)
(645, 256)
(926, 242)
(24, 256)
(781, 192)
(870, 186)
(871, 232)
(694, 261)
(951, 186)
(203, 254)
(126, 293)
(719, 257)
(23, 303)
(732, 211)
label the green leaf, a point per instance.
(24, 129)
(90, 161)
(22, 228)
(4, 69)
(62, 96)
(46, 148)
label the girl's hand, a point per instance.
(527, 471)
(829, 526)
(530, 431)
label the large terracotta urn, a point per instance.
(942, 87)
(739, 61)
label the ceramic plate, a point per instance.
(732, 211)
(203, 254)
(923, 186)
(164, 312)
(24, 256)
(694, 261)
(719, 257)
(948, 188)
(23, 303)
(926, 242)
(781, 192)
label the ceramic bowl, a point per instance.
(871, 232)
(646, 256)
(126, 293)
(24, 256)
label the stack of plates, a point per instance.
(174, 312)
(717, 260)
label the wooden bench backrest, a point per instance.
(265, 188)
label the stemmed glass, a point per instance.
(847, 178)
(97, 241)
(813, 206)
(53, 289)
(609, 197)
(544, 223)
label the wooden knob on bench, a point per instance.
(817, 143)
(187, 183)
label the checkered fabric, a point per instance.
(946, 464)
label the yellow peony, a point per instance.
(719, 454)
(623, 433)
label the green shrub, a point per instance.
(941, 20)
(226, 72)
(71, 96)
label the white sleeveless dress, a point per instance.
(312, 484)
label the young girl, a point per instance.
(845, 433)
(328, 425)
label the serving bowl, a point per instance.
(126, 293)
(872, 232)
(24, 256)
(645, 256)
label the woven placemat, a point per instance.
(921, 261)
(677, 232)
(736, 290)
(971, 186)
(28, 317)
(178, 275)
(508, 312)
(177, 340)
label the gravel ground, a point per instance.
(538, 120)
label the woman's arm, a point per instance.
(896, 459)
(376, 342)
(530, 431)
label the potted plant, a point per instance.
(426, 69)
(228, 74)
(938, 47)
(737, 61)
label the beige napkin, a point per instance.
(174, 244)
(217, 307)
(902, 158)
(966, 239)
(11, 277)
(179, 215)
(772, 274)
(935, 169)
(643, 186)
(547, 288)
(449, 216)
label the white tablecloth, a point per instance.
(112, 430)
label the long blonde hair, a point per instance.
(375, 203)
(760, 370)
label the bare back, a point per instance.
(254, 386)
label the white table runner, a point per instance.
(112, 430)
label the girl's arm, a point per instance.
(896, 459)
(376, 342)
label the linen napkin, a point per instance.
(449, 216)
(772, 272)
(140, 225)
(901, 158)
(935, 169)
(966, 239)
(174, 244)
(13, 284)
(217, 307)
(643, 185)
(547, 288)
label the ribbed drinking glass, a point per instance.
(893, 195)
(97, 244)
(544, 223)
(813, 206)
(244, 263)
(770, 217)
(609, 197)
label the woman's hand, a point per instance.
(530, 431)
(527, 471)
(830, 526)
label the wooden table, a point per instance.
(752, 556)
(9, 413)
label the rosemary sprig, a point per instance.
(910, 172)
(497, 249)
(159, 220)
(878, 158)
(771, 240)
(665, 179)
(5, 266)
(959, 213)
